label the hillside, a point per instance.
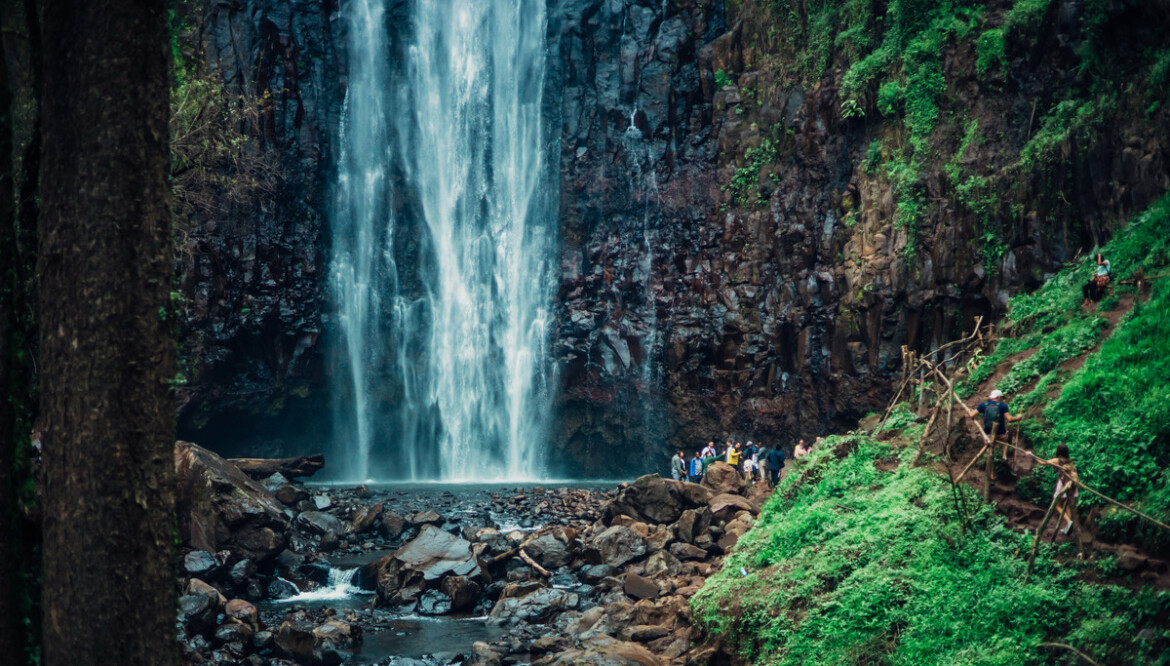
(862, 557)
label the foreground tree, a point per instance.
(107, 353)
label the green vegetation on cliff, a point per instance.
(860, 558)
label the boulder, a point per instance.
(615, 546)
(725, 506)
(201, 563)
(686, 551)
(426, 518)
(392, 525)
(434, 602)
(463, 592)
(723, 478)
(662, 563)
(220, 507)
(242, 611)
(423, 561)
(320, 523)
(236, 632)
(640, 587)
(652, 499)
(536, 607)
(551, 547)
(363, 518)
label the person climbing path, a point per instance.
(1066, 487)
(995, 413)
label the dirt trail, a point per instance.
(1026, 515)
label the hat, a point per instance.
(996, 394)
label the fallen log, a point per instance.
(290, 468)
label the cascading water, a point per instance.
(443, 298)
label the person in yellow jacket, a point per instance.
(733, 456)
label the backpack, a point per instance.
(992, 414)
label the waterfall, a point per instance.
(443, 244)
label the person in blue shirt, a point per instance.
(696, 470)
(995, 411)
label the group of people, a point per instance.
(758, 463)
(996, 414)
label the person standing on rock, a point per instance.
(775, 464)
(800, 451)
(995, 411)
(708, 451)
(732, 456)
(678, 467)
(696, 467)
(750, 464)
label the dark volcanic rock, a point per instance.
(423, 562)
(319, 522)
(640, 587)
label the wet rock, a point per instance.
(725, 506)
(594, 573)
(723, 478)
(535, 607)
(662, 563)
(363, 519)
(322, 502)
(392, 525)
(242, 611)
(262, 640)
(198, 611)
(291, 495)
(550, 546)
(221, 507)
(644, 633)
(434, 602)
(426, 518)
(319, 522)
(615, 546)
(240, 572)
(280, 588)
(425, 559)
(200, 563)
(640, 587)
(462, 590)
(686, 551)
(234, 632)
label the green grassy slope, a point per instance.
(850, 564)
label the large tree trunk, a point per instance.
(106, 342)
(10, 627)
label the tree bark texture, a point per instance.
(10, 626)
(106, 339)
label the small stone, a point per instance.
(280, 588)
(322, 502)
(200, 563)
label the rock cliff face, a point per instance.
(253, 275)
(742, 251)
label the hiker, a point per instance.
(1066, 489)
(678, 467)
(708, 451)
(995, 411)
(1094, 289)
(801, 450)
(775, 463)
(750, 464)
(696, 470)
(732, 455)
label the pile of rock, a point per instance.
(614, 591)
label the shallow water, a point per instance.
(420, 636)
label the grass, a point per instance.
(861, 566)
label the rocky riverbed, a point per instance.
(277, 572)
